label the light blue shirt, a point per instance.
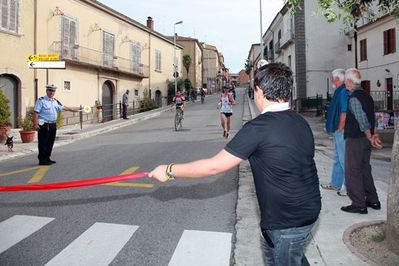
(48, 108)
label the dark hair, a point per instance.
(275, 80)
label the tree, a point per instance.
(248, 67)
(187, 62)
(350, 11)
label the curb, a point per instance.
(347, 239)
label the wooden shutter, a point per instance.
(13, 16)
(72, 38)
(392, 40)
(385, 42)
(4, 14)
(108, 49)
(65, 43)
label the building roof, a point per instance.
(185, 39)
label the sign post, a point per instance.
(45, 61)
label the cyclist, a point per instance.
(179, 100)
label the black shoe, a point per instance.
(45, 163)
(51, 161)
(354, 209)
(375, 206)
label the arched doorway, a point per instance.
(158, 98)
(9, 87)
(107, 101)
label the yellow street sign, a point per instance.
(44, 57)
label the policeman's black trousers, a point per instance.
(46, 137)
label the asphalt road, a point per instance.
(153, 218)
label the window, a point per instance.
(69, 38)
(136, 92)
(108, 49)
(67, 86)
(349, 47)
(363, 50)
(389, 41)
(9, 15)
(289, 61)
(158, 58)
(136, 57)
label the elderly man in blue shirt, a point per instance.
(335, 124)
(359, 138)
(45, 121)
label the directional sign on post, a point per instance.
(44, 57)
(47, 64)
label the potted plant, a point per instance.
(27, 131)
(5, 114)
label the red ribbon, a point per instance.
(74, 183)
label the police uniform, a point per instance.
(47, 109)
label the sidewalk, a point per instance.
(326, 246)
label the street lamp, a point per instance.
(174, 54)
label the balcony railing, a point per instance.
(96, 58)
(286, 39)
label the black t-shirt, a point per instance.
(280, 149)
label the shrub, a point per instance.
(5, 112)
(26, 123)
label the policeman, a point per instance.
(45, 121)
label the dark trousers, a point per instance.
(46, 137)
(124, 111)
(359, 180)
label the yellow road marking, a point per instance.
(123, 184)
(37, 176)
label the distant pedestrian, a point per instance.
(45, 121)
(279, 145)
(359, 138)
(335, 125)
(125, 104)
(226, 111)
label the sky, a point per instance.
(231, 25)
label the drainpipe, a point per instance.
(149, 61)
(35, 50)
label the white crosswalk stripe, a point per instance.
(202, 248)
(19, 227)
(99, 245)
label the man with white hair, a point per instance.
(335, 124)
(359, 137)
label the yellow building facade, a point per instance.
(105, 53)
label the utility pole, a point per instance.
(174, 54)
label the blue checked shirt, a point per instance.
(357, 110)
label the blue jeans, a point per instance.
(285, 247)
(338, 174)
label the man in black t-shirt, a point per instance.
(279, 145)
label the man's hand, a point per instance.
(375, 141)
(159, 173)
(36, 126)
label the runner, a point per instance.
(226, 111)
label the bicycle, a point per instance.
(178, 119)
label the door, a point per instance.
(107, 100)
(9, 87)
(366, 85)
(389, 89)
(158, 98)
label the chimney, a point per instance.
(150, 23)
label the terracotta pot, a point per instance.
(27, 136)
(4, 132)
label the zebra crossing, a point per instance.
(101, 243)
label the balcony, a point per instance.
(286, 39)
(92, 58)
